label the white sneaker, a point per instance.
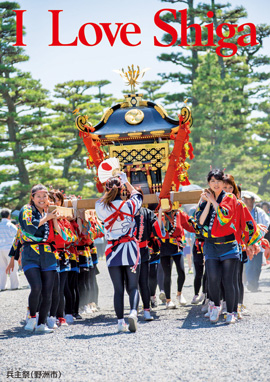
(43, 328)
(82, 312)
(28, 316)
(122, 327)
(181, 299)
(244, 309)
(239, 313)
(205, 306)
(69, 318)
(202, 297)
(223, 307)
(214, 316)
(162, 296)
(198, 298)
(147, 316)
(153, 301)
(170, 305)
(230, 319)
(51, 322)
(31, 324)
(87, 309)
(195, 299)
(93, 307)
(132, 320)
(209, 309)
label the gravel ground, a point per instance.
(180, 345)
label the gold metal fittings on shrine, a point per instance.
(82, 123)
(134, 116)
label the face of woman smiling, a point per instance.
(41, 200)
(216, 185)
(228, 187)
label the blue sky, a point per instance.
(54, 65)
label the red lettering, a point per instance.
(124, 32)
(210, 28)
(165, 27)
(19, 28)
(252, 34)
(107, 30)
(55, 30)
(226, 45)
(184, 28)
(98, 32)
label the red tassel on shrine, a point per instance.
(190, 151)
(186, 182)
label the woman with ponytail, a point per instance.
(122, 250)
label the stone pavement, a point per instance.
(179, 345)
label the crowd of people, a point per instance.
(59, 258)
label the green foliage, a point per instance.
(258, 148)
(215, 134)
(22, 116)
(39, 141)
(67, 147)
(151, 89)
(223, 92)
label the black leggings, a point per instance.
(55, 295)
(167, 268)
(240, 283)
(153, 278)
(74, 289)
(83, 287)
(236, 285)
(198, 261)
(93, 285)
(63, 281)
(68, 298)
(221, 271)
(119, 275)
(160, 277)
(144, 284)
(41, 284)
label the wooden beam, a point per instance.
(63, 211)
(184, 197)
(187, 197)
(84, 204)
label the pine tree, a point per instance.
(219, 141)
(253, 171)
(22, 117)
(152, 90)
(238, 73)
(187, 58)
(68, 148)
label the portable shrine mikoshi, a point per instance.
(138, 133)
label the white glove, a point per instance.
(123, 177)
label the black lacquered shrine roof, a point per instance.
(155, 122)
